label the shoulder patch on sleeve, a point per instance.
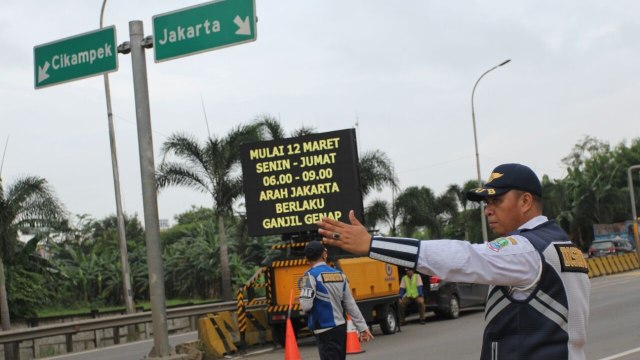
(500, 243)
(571, 258)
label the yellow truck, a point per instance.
(374, 285)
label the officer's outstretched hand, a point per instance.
(365, 336)
(353, 237)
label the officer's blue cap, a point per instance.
(313, 250)
(507, 177)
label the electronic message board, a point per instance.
(290, 184)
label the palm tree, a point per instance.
(271, 129)
(381, 211)
(417, 207)
(211, 168)
(376, 171)
(28, 203)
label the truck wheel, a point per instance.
(279, 332)
(389, 322)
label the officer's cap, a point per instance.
(507, 177)
(313, 250)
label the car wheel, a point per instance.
(452, 311)
(454, 307)
(389, 322)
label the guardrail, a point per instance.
(114, 322)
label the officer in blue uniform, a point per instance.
(538, 302)
(326, 297)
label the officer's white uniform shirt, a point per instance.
(514, 262)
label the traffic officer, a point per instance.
(326, 297)
(538, 304)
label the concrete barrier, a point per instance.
(217, 341)
(219, 334)
(258, 329)
(612, 264)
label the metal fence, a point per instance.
(71, 329)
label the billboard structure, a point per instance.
(621, 230)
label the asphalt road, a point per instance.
(614, 333)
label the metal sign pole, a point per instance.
(161, 347)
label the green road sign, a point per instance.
(203, 27)
(75, 57)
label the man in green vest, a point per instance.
(411, 291)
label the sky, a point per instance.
(403, 71)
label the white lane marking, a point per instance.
(622, 354)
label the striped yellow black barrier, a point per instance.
(258, 330)
(621, 263)
(593, 268)
(258, 302)
(616, 259)
(606, 265)
(612, 264)
(282, 308)
(214, 336)
(230, 324)
(287, 263)
(269, 289)
(288, 246)
(241, 312)
(600, 266)
(634, 260)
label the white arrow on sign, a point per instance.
(243, 25)
(42, 72)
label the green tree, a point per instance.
(382, 211)
(592, 172)
(191, 265)
(376, 172)
(89, 258)
(271, 129)
(466, 223)
(417, 208)
(211, 168)
(27, 203)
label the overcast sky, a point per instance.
(404, 69)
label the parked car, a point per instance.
(609, 247)
(447, 299)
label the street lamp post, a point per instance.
(634, 214)
(122, 240)
(485, 236)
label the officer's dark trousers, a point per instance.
(332, 344)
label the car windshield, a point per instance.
(600, 245)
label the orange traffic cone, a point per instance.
(291, 351)
(353, 342)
